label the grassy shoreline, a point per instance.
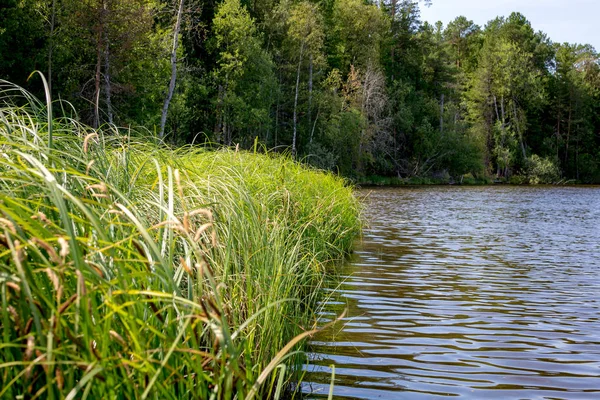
(129, 270)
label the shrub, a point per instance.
(542, 170)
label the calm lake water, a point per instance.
(476, 293)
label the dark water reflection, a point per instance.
(479, 293)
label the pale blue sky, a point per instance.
(573, 21)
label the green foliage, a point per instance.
(360, 88)
(130, 270)
(244, 75)
(305, 30)
(22, 39)
(464, 40)
(542, 170)
(358, 31)
(589, 168)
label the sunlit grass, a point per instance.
(130, 270)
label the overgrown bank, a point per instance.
(535, 177)
(129, 270)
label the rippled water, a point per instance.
(477, 293)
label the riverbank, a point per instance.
(130, 270)
(467, 180)
(377, 180)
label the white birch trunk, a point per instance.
(163, 117)
(107, 85)
(296, 103)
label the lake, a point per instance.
(467, 292)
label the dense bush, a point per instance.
(542, 170)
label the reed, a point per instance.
(131, 270)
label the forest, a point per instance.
(362, 88)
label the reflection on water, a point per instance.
(480, 293)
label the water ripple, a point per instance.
(471, 293)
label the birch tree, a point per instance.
(305, 33)
(173, 81)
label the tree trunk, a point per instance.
(568, 134)
(163, 117)
(519, 131)
(497, 118)
(496, 108)
(226, 125)
(107, 86)
(51, 44)
(396, 163)
(277, 107)
(97, 79)
(503, 115)
(219, 113)
(393, 48)
(577, 158)
(310, 87)
(314, 125)
(442, 113)
(294, 138)
(558, 132)
(503, 136)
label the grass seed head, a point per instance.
(64, 247)
(7, 224)
(87, 139)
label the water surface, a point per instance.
(475, 293)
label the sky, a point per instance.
(573, 21)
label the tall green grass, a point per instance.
(130, 270)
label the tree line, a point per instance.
(359, 87)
